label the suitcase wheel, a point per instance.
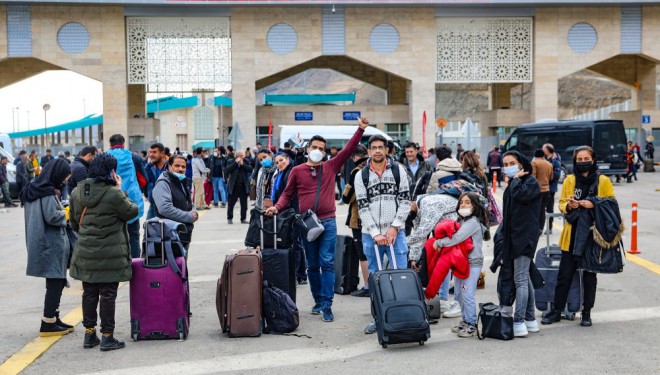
(570, 316)
(135, 330)
(181, 329)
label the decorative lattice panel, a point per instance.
(384, 38)
(282, 39)
(484, 49)
(179, 54)
(19, 31)
(333, 28)
(73, 38)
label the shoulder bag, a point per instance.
(496, 321)
(309, 223)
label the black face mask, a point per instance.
(583, 166)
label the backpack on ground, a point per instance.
(280, 313)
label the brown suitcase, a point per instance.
(238, 295)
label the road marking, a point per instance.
(644, 263)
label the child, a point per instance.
(474, 221)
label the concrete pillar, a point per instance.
(137, 100)
(544, 95)
(499, 95)
(422, 98)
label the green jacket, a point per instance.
(102, 254)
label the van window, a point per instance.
(609, 138)
(564, 142)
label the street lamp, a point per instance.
(46, 107)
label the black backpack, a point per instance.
(395, 172)
(280, 313)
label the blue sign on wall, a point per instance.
(350, 116)
(646, 119)
(304, 116)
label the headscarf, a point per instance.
(526, 164)
(101, 167)
(51, 177)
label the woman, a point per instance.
(47, 241)
(264, 180)
(279, 181)
(577, 188)
(472, 167)
(520, 229)
(102, 256)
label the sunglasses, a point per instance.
(313, 172)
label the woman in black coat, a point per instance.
(520, 226)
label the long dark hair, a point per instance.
(470, 160)
(478, 209)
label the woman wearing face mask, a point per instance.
(584, 183)
(47, 241)
(474, 220)
(520, 230)
(264, 180)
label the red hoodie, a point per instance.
(438, 263)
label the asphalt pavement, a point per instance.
(623, 339)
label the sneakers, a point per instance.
(457, 328)
(553, 317)
(468, 331)
(370, 328)
(586, 319)
(453, 312)
(362, 292)
(244, 222)
(91, 340)
(52, 329)
(230, 221)
(302, 282)
(444, 305)
(109, 342)
(328, 316)
(519, 329)
(223, 205)
(532, 326)
(316, 310)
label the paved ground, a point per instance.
(623, 339)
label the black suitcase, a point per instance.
(279, 265)
(397, 305)
(547, 262)
(346, 266)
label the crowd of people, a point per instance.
(74, 207)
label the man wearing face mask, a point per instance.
(303, 184)
(171, 197)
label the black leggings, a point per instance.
(567, 268)
(54, 289)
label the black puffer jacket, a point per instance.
(521, 207)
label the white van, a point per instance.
(335, 135)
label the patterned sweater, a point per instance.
(386, 205)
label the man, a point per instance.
(18, 158)
(238, 177)
(384, 204)
(459, 151)
(21, 171)
(494, 165)
(218, 168)
(414, 163)
(80, 167)
(157, 165)
(552, 158)
(4, 183)
(287, 150)
(35, 162)
(67, 155)
(126, 169)
(31, 169)
(303, 183)
(543, 171)
(431, 159)
(46, 158)
(170, 197)
(199, 172)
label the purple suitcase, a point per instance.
(160, 300)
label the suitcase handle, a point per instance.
(548, 216)
(391, 257)
(261, 230)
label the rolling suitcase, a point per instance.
(239, 293)
(346, 266)
(547, 262)
(397, 305)
(160, 296)
(279, 265)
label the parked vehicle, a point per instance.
(606, 137)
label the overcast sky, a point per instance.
(69, 94)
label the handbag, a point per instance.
(494, 212)
(285, 223)
(309, 224)
(496, 321)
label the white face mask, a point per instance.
(465, 212)
(315, 156)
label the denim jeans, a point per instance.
(524, 290)
(219, 186)
(443, 293)
(468, 288)
(321, 263)
(400, 251)
(134, 238)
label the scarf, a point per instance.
(51, 177)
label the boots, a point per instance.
(91, 340)
(60, 323)
(49, 328)
(553, 317)
(586, 319)
(108, 342)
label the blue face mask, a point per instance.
(511, 171)
(181, 176)
(267, 162)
